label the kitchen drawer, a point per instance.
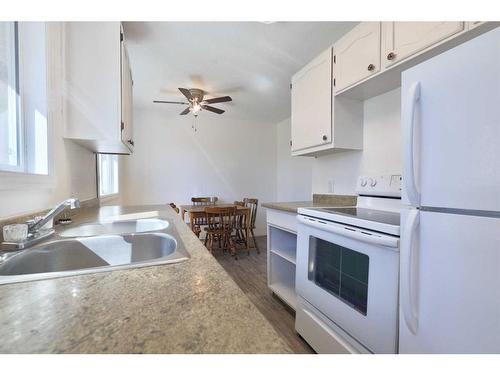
(282, 219)
(323, 338)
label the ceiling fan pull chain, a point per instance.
(194, 126)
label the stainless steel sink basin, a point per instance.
(66, 257)
(116, 227)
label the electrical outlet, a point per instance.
(331, 186)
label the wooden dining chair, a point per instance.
(200, 221)
(204, 201)
(252, 203)
(220, 224)
(240, 226)
(176, 209)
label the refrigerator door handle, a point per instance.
(409, 181)
(409, 269)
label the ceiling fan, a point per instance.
(196, 102)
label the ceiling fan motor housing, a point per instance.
(197, 94)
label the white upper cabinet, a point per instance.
(312, 103)
(93, 103)
(320, 122)
(401, 40)
(357, 55)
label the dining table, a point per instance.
(198, 211)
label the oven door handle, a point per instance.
(341, 230)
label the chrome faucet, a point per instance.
(36, 233)
(34, 226)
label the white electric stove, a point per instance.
(347, 271)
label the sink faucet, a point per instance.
(35, 231)
(34, 226)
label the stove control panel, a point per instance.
(380, 186)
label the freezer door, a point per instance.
(451, 128)
(449, 278)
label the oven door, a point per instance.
(351, 276)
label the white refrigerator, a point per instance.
(450, 226)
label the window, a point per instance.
(340, 271)
(23, 98)
(9, 98)
(107, 174)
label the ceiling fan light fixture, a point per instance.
(196, 102)
(195, 108)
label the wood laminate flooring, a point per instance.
(250, 273)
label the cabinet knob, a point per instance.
(131, 142)
(371, 68)
(325, 137)
(391, 56)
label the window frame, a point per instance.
(99, 173)
(19, 167)
(19, 178)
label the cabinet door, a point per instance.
(127, 129)
(357, 55)
(312, 103)
(403, 39)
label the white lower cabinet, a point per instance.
(281, 255)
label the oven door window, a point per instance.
(340, 271)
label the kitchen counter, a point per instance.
(319, 200)
(188, 307)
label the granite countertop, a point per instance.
(319, 200)
(189, 307)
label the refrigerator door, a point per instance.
(451, 128)
(449, 277)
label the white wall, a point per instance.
(293, 174)
(74, 177)
(72, 167)
(381, 152)
(227, 158)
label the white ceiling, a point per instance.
(250, 61)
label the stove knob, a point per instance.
(363, 182)
(373, 182)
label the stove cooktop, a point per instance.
(361, 217)
(385, 217)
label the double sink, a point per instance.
(96, 247)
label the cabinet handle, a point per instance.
(391, 56)
(325, 137)
(131, 142)
(371, 68)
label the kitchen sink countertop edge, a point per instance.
(188, 307)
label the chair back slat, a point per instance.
(252, 203)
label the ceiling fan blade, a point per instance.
(168, 102)
(185, 112)
(213, 109)
(221, 99)
(186, 93)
